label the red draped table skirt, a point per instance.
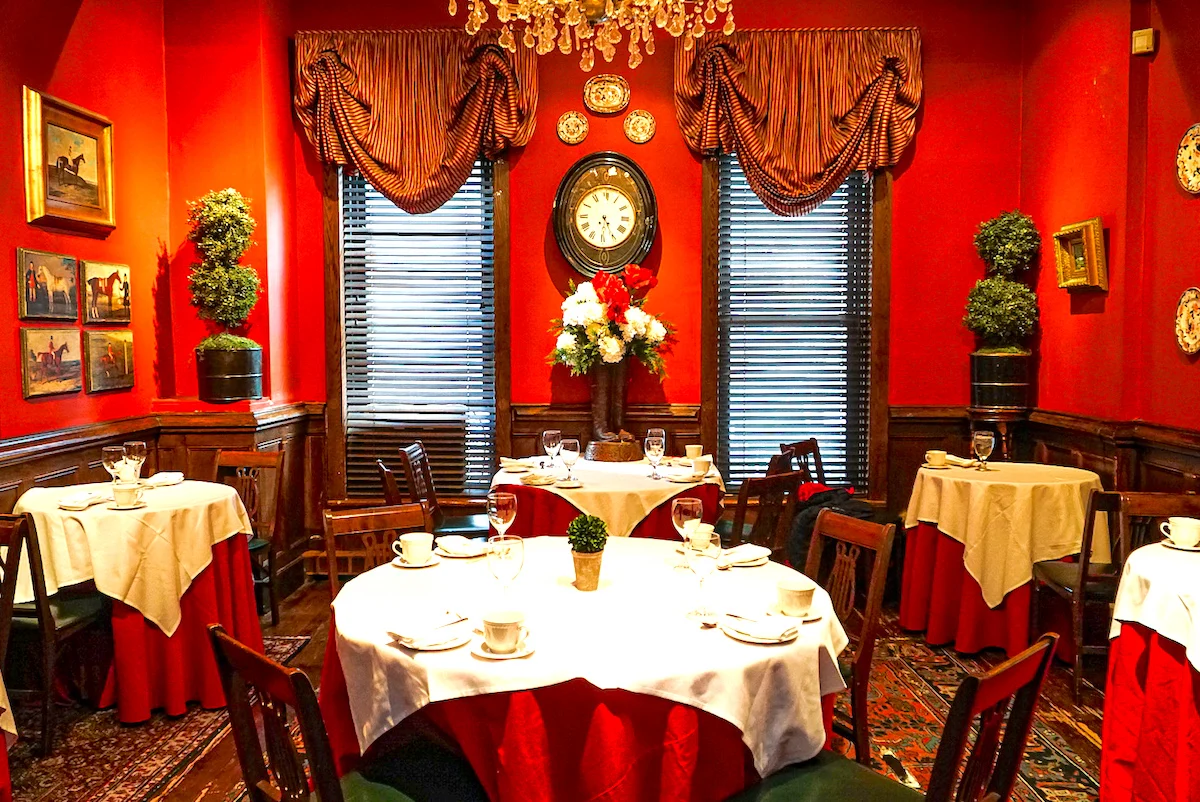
(572, 741)
(540, 512)
(151, 671)
(1151, 737)
(938, 596)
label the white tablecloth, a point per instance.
(631, 634)
(146, 558)
(1008, 518)
(1160, 589)
(622, 493)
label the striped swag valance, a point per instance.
(802, 109)
(412, 111)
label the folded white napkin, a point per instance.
(462, 546)
(428, 631)
(538, 478)
(164, 478)
(81, 500)
(960, 462)
(745, 553)
(509, 462)
(768, 627)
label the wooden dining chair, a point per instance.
(49, 621)
(419, 477)
(391, 490)
(807, 454)
(371, 532)
(261, 693)
(989, 772)
(258, 477)
(776, 498)
(839, 573)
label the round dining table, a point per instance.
(1150, 748)
(973, 538)
(623, 697)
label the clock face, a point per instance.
(604, 214)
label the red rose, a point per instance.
(638, 278)
(612, 292)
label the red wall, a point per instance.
(104, 55)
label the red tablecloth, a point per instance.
(572, 741)
(938, 596)
(152, 671)
(540, 512)
(6, 792)
(1151, 739)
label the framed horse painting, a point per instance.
(108, 360)
(105, 292)
(46, 286)
(68, 166)
(51, 362)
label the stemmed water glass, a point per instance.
(654, 453)
(569, 451)
(135, 454)
(702, 555)
(112, 458)
(686, 514)
(983, 443)
(551, 441)
(506, 553)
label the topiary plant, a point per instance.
(587, 534)
(1008, 243)
(223, 289)
(1002, 313)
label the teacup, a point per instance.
(415, 548)
(701, 466)
(1182, 531)
(935, 457)
(127, 494)
(795, 595)
(700, 536)
(693, 451)
(503, 630)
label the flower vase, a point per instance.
(610, 442)
(587, 569)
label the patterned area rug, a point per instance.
(112, 762)
(912, 686)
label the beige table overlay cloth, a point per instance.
(1160, 589)
(1008, 518)
(621, 493)
(146, 558)
(631, 634)
(8, 724)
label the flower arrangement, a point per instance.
(603, 320)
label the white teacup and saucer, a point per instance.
(505, 636)
(1181, 533)
(794, 597)
(935, 459)
(414, 550)
(127, 496)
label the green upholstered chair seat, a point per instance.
(826, 777)
(356, 788)
(424, 771)
(724, 528)
(67, 611)
(1064, 576)
(258, 544)
(466, 525)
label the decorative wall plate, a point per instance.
(1187, 321)
(606, 94)
(572, 128)
(1187, 160)
(639, 126)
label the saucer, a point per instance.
(113, 506)
(440, 552)
(568, 484)
(936, 467)
(452, 643)
(807, 618)
(1167, 542)
(749, 564)
(684, 480)
(532, 481)
(399, 562)
(517, 469)
(480, 649)
(742, 636)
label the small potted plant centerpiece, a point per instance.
(228, 366)
(1003, 313)
(587, 535)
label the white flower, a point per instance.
(584, 314)
(612, 350)
(656, 332)
(635, 323)
(566, 341)
(585, 292)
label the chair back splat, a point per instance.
(807, 454)
(391, 490)
(368, 535)
(777, 497)
(419, 476)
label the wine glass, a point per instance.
(551, 440)
(983, 443)
(654, 453)
(506, 553)
(702, 555)
(135, 454)
(501, 510)
(569, 451)
(685, 514)
(112, 458)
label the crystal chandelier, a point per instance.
(591, 25)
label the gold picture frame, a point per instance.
(1079, 254)
(68, 166)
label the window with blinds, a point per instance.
(420, 334)
(794, 329)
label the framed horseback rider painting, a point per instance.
(51, 362)
(68, 166)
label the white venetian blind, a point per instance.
(420, 334)
(794, 328)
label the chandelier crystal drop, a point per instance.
(596, 25)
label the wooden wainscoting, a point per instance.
(188, 442)
(912, 431)
(681, 421)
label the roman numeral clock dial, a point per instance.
(604, 214)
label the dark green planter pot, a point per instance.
(224, 376)
(1000, 381)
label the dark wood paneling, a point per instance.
(682, 422)
(912, 432)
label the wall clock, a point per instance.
(605, 215)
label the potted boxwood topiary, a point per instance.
(228, 366)
(587, 535)
(1003, 313)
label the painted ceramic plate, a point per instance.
(606, 94)
(572, 128)
(1187, 160)
(1187, 321)
(639, 126)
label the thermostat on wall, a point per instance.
(1144, 41)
